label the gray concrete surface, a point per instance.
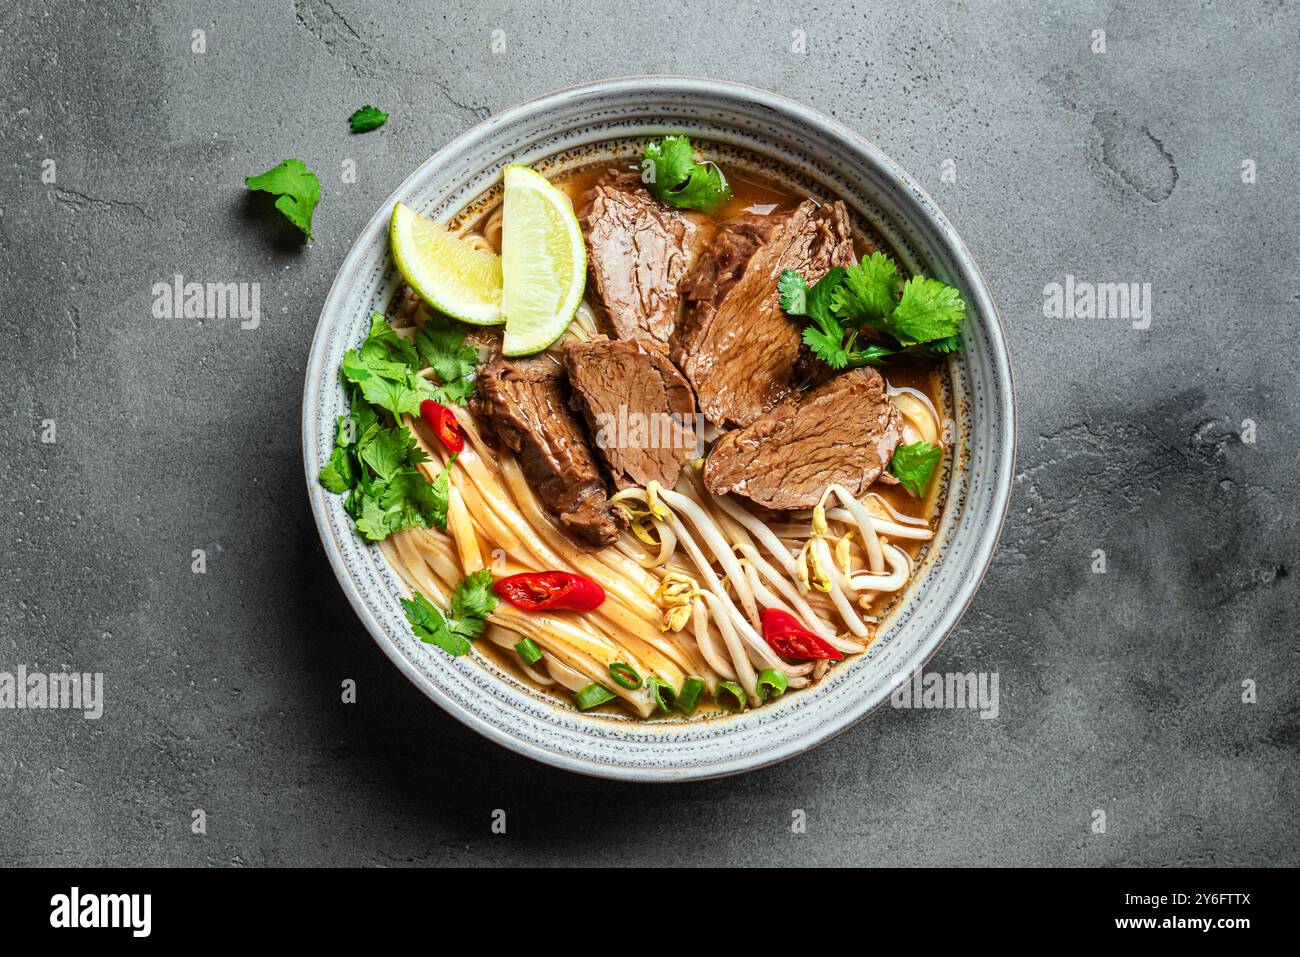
(1121, 692)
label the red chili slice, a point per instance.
(538, 591)
(790, 639)
(443, 422)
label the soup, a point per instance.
(687, 502)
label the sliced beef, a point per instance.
(638, 407)
(737, 347)
(524, 404)
(638, 251)
(844, 431)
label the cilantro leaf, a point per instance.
(443, 348)
(942, 347)
(474, 597)
(336, 476)
(924, 318)
(913, 465)
(421, 613)
(873, 354)
(357, 367)
(798, 299)
(827, 346)
(383, 343)
(869, 292)
(387, 450)
(377, 465)
(826, 337)
(366, 119)
(297, 187)
(472, 601)
(397, 397)
(371, 519)
(410, 501)
(441, 495)
(672, 174)
(927, 310)
(458, 392)
(363, 416)
(430, 626)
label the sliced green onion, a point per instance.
(662, 693)
(625, 675)
(593, 696)
(689, 694)
(772, 683)
(529, 651)
(729, 689)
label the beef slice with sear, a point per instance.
(638, 252)
(737, 347)
(637, 405)
(524, 404)
(842, 432)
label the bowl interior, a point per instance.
(783, 141)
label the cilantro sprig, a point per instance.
(472, 602)
(914, 464)
(366, 119)
(919, 315)
(672, 174)
(296, 186)
(375, 463)
(386, 368)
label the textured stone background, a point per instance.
(1120, 691)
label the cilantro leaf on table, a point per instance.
(472, 602)
(296, 186)
(366, 119)
(676, 178)
(914, 464)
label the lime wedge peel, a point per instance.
(544, 262)
(447, 273)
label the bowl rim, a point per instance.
(921, 204)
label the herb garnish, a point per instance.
(377, 466)
(366, 119)
(913, 465)
(471, 603)
(676, 178)
(297, 187)
(924, 315)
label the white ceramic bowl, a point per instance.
(823, 157)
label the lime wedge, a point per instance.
(447, 273)
(543, 261)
